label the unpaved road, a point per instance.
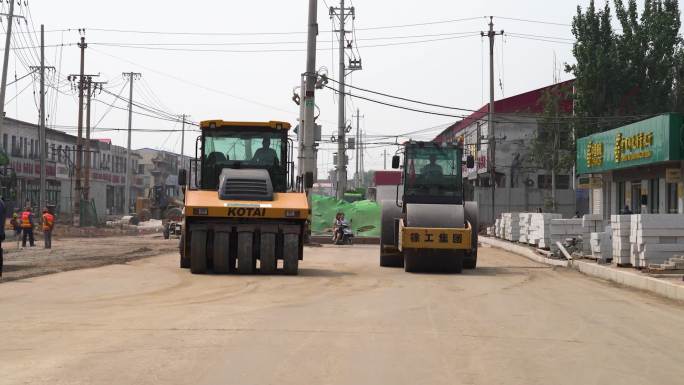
(344, 320)
(79, 253)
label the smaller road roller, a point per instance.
(432, 228)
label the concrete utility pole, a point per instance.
(79, 140)
(341, 119)
(91, 88)
(42, 140)
(127, 186)
(342, 13)
(8, 43)
(307, 126)
(41, 135)
(490, 124)
(384, 155)
(357, 150)
(182, 157)
(363, 168)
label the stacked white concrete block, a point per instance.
(562, 229)
(511, 226)
(540, 229)
(591, 223)
(655, 238)
(497, 228)
(601, 246)
(620, 228)
(524, 224)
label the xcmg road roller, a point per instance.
(432, 227)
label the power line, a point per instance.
(273, 50)
(502, 114)
(284, 42)
(185, 81)
(534, 21)
(272, 33)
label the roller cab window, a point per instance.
(433, 172)
(251, 150)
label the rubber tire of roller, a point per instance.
(391, 260)
(221, 252)
(198, 252)
(184, 262)
(471, 215)
(290, 254)
(390, 211)
(268, 263)
(455, 263)
(470, 262)
(412, 262)
(245, 253)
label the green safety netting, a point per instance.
(364, 216)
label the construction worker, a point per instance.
(2, 230)
(16, 226)
(48, 225)
(27, 222)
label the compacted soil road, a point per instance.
(343, 320)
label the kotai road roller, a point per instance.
(244, 212)
(432, 227)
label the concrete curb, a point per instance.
(632, 279)
(623, 277)
(522, 250)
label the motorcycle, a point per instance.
(346, 234)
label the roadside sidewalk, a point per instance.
(672, 288)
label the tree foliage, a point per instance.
(553, 149)
(627, 74)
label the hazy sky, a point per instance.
(258, 85)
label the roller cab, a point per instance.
(243, 213)
(432, 228)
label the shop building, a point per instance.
(19, 140)
(635, 168)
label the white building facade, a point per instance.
(19, 141)
(520, 185)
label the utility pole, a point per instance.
(182, 157)
(127, 187)
(307, 127)
(41, 135)
(342, 13)
(490, 124)
(91, 88)
(79, 140)
(357, 150)
(42, 141)
(341, 119)
(8, 46)
(363, 168)
(384, 155)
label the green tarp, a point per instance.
(364, 216)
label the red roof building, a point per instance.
(526, 103)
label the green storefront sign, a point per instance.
(657, 139)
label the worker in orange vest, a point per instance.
(48, 225)
(27, 227)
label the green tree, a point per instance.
(622, 77)
(553, 149)
(597, 73)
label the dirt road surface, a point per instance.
(344, 320)
(79, 253)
